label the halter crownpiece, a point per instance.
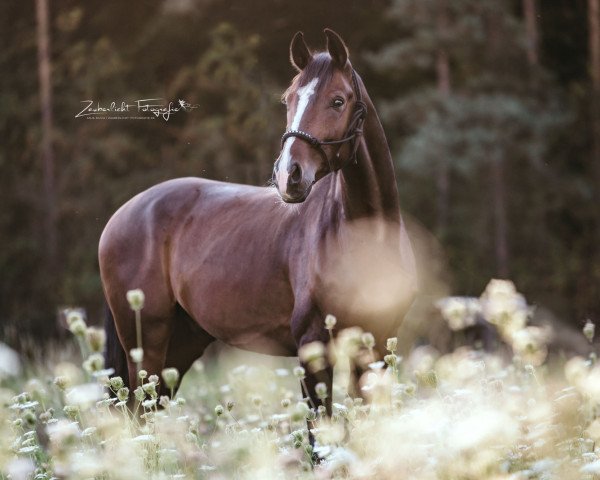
(352, 134)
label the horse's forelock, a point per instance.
(321, 66)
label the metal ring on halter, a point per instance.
(354, 131)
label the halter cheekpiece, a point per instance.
(352, 134)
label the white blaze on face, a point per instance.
(304, 95)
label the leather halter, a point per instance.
(352, 135)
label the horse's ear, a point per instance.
(299, 53)
(336, 48)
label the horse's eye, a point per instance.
(337, 102)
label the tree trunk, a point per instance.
(531, 30)
(594, 45)
(594, 65)
(47, 154)
(500, 220)
(443, 84)
(497, 166)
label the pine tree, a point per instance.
(491, 121)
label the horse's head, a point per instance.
(324, 117)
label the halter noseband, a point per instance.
(352, 134)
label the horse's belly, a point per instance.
(239, 305)
(258, 324)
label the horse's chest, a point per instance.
(363, 279)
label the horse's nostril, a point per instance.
(295, 174)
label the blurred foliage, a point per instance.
(231, 60)
(498, 107)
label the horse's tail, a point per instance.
(114, 354)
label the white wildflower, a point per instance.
(136, 299)
(459, 312)
(503, 306)
(137, 355)
(86, 394)
(10, 363)
(313, 355)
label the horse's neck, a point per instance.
(368, 188)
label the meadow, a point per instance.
(464, 414)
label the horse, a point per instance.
(259, 268)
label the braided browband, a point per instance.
(352, 134)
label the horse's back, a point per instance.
(152, 213)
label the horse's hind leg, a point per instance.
(187, 343)
(157, 320)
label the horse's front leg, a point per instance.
(308, 326)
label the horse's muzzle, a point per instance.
(294, 183)
(295, 196)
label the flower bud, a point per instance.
(300, 411)
(149, 403)
(137, 354)
(61, 382)
(153, 379)
(150, 389)
(95, 339)
(330, 322)
(78, 327)
(116, 383)
(136, 299)
(71, 411)
(170, 377)
(45, 416)
(142, 374)
(73, 315)
(428, 378)
(368, 340)
(299, 372)
(313, 355)
(391, 360)
(94, 363)
(29, 417)
(219, 410)
(230, 405)
(139, 394)
(123, 394)
(321, 390)
(589, 330)
(391, 344)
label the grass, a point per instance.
(466, 414)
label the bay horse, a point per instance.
(260, 267)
